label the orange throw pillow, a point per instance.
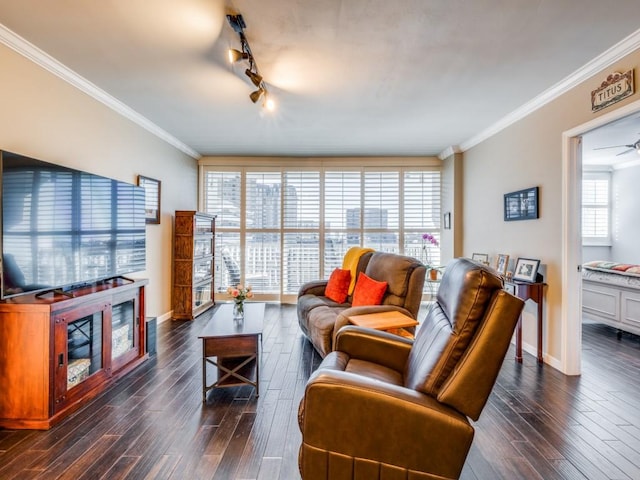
(368, 291)
(338, 286)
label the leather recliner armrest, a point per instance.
(362, 418)
(375, 346)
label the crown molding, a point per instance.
(46, 61)
(448, 152)
(602, 61)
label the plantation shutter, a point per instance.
(422, 214)
(596, 209)
(280, 226)
(301, 241)
(342, 215)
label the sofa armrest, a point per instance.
(375, 346)
(316, 287)
(356, 417)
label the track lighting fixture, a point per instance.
(237, 23)
(235, 55)
(255, 78)
(255, 96)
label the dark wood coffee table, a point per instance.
(233, 347)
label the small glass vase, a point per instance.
(238, 310)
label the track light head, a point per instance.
(255, 96)
(255, 78)
(235, 55)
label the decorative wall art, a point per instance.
(521, 205)
(447, 221)
(151, 199)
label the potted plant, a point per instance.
(428, 240)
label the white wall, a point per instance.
(46, 118)
(626, 219)
(526, 154)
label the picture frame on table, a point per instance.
(482, 258)
(526, 269)
(502, 262)
(151, 199)
(521, 205)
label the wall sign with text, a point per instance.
(616, 87)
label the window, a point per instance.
(281, 227)
(596, 208)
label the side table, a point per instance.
(526, 291)
(232, 346)
(391, 321)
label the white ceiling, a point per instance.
(350, 77)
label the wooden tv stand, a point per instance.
(60, 351)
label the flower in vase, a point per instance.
(240, 293)
(427, 238)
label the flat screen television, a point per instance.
(63, 228)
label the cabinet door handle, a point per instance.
(61, 360)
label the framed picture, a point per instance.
(151, 199)
(447, 221)
(501, 264)
(521, 205)
(480, 258)
(526, 269)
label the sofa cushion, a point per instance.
(338, 285)
(394, 269)
(368, 291)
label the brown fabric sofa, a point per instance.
(382, 406)
(320, 318)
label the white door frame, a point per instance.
(571, 308)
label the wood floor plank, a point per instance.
(152, 424)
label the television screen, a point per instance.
(63, 228)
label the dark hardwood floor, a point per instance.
(538, 424)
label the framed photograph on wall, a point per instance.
(501, 264)
(151, 199)
(480, 258)
(521, 205)
(526, 269)
(447, 221)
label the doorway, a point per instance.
(571, 331)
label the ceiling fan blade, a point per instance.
(626, 151)
(614, 146)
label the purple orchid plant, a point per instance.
(428, 238)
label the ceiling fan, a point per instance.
(630, 148)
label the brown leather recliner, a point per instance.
(382, 406)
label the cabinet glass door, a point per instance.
(84, 347)
(203, 246)
(123, 317)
